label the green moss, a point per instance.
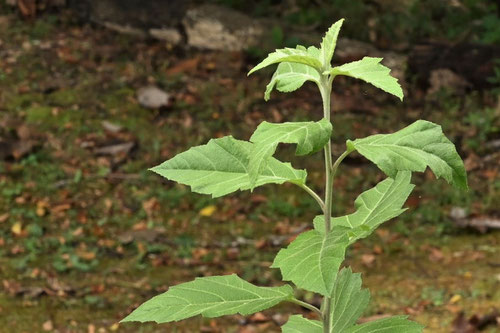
(64, 97)
(117, 98)
(38, 114)
(17, 102)
(43, 28)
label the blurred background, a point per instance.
(94, 92)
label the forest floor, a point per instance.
(87, 233)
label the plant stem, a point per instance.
(325, 88)
(308, 306)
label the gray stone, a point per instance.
(444, 78)
(170, 35)
(152, 97)
(157, 18)
(458, 213)
(217, 28)
(136, 13)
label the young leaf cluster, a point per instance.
(314, 259)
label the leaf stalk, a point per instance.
(307, 306)
(314, 195)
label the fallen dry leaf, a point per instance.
(368, 259)
(259, 317)
(48, 326)
(208, 210)
(4, 217)
(436, 255)
(188, 65)
(17, 229)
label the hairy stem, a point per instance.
(325, 88)
(308, 306)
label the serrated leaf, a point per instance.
(372, 71)
(221, 167)
(414, 148)
(210, 297)
(374, 207)
(309, 136)
(396, 324)
(312, 261)
(291, 76)
(297, 55)
(329, 43)
(313, 51)
(348, 300)
(299, 324)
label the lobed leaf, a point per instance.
(299, 324)
(370, 70)
(309, 136)
(210, 297)
(395, 324)
(221, 167)
(329, 43)
(299, 55)
(348, 300)
(373, 207)
(414, 148)
(291, 76)
(312, 261)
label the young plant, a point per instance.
(313, 260)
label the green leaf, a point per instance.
(374, 207)
(309, 136)
(348, 300)
(370, 70)
(329, 42)
(414, 148)
(298, 55)
(396, 324)
(312, 261)
(221, 167)
(210, 297)
(291, 76)
(299, 324)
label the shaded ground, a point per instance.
(87, 234)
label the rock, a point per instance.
(136, 13)
(458, 213)
(170, 35)
(218, 28)
(444, 78)
(115, 149)
(124, 29)
(152, 97)
(279, 319)
(111, 127)
(474, 62)
(155, 18)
